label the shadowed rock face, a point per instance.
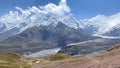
(115, 32)
(8, 34)
(50, 36)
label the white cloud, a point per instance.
(60, 9)
(57, 9)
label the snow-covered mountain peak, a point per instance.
(34, 16)
(103, 23)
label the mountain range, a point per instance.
(99, 25)
(32, 30)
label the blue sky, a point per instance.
(7, 5)
(80, 8)
(90, 8)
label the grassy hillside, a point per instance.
(9, 60)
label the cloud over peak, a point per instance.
(60, 9)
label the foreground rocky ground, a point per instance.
(107, 59)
